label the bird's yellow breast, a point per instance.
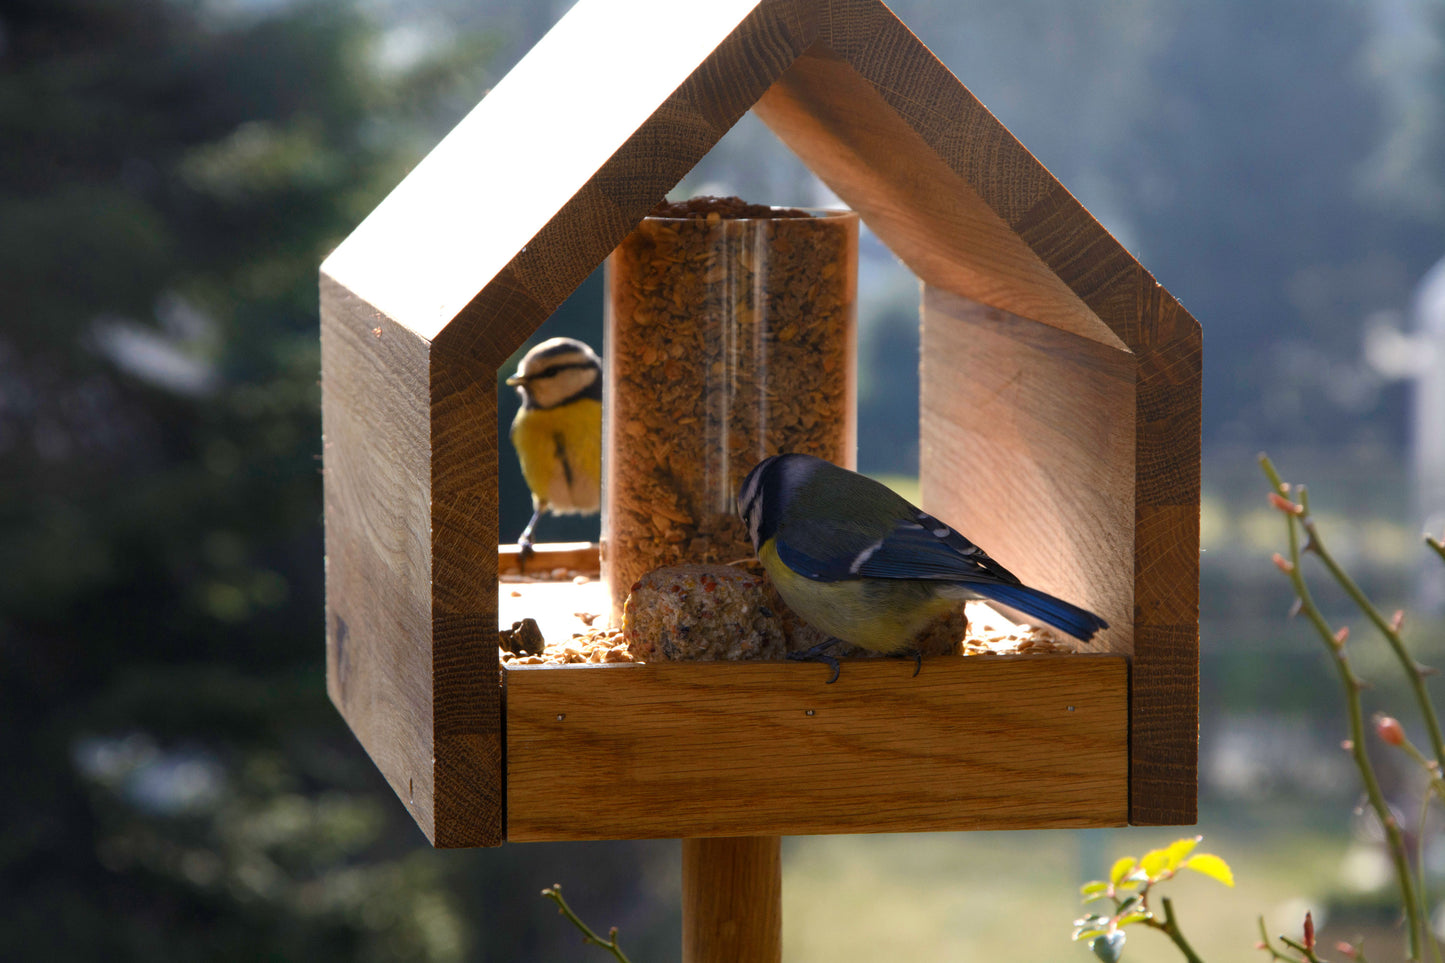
(561, 454)
(881, 615)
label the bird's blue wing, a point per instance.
(812, 562)
(920, 547)
(928, 549)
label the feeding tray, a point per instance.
(1059, 428)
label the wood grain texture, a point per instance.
(732, 900)
(758, 748)
(375, 458)
(411, 654)
(1077, 466)
(1026, 445)
(466, 698)
(1165, 695)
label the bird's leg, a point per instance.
(915, 654)
(817, 654)
(524, 541)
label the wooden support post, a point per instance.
(732, 900)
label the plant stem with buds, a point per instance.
(554, 893)
(1352, 685)
(1412, 668)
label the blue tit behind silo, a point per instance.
(855, 560)
(558, 431)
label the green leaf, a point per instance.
(1121, 868)
(1133, 918)
(1154, 862)
(1091, 888)
(1180, 849)
(1212, 866)
(1088, 932)
(1108, 947)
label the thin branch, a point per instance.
(1437, 545)
(554, 893)
(1170, 926)
(1351, 684)
(1388, 630)
(1268, 947)
(1430, 789)
(1299, 947)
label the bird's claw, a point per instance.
(916, 656)
(818, 654)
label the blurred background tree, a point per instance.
(172, 172)
(172, 176)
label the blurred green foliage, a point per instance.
(178, 178)
(178, 786)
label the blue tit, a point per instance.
(855, 560)
(558, 431)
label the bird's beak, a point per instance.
(517, 379)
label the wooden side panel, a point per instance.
(738, 749)
(1063, 458)
(1164, 781)
(466, 694)
(1026, 445)
(376, 460)
(1078, 468)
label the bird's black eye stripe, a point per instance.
(563, 346)
(559, 368)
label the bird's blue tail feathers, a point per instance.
(1080, 623)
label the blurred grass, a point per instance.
(1361, 498)
(1363, 502)
(1014, 895)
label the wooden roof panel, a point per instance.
(532, 190)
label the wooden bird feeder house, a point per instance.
(1060, 429)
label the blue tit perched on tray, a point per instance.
(857, 561)
(558, 431)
